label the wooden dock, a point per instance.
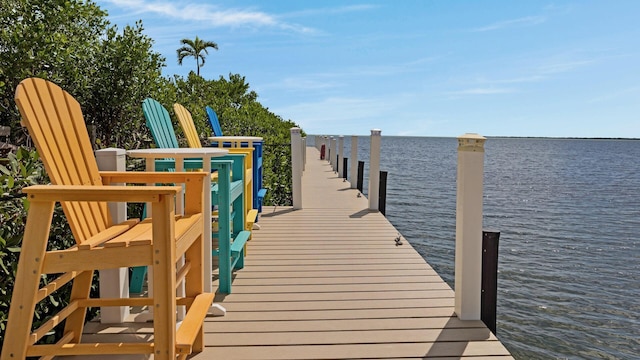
(329, 282)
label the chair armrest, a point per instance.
(99, 193)
(143, 177)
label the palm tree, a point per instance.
(195, 48)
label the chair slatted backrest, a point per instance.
(56, 125)
(189, 129)
(159, 122)
(213, 120)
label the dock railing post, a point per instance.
(303, 146)
(114, 283)
(296, 168)
(468, 255)
(332, 153)
(374, 169)
(340, 154)
(327, 148)
(354, 161)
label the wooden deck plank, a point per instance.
(364, 351)
(344, 325)
(260, 305)
(252, 281)
(329, 282)
(397, 314)
(333, 337)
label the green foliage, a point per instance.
(127, 73)
(71, 43)
(52, 39)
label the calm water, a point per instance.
(569, 216)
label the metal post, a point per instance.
(489, 297)
(382, 194)
(114, 283)
(468, 256)
(354, 161)
(296, 168)
(374, 169)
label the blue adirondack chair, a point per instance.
(226, 194)
(213, 120)
(258, 191)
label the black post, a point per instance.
(345, 163)
(489, 296)
(382, 192)
(337, 163)
(360, 175)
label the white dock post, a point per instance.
(354, 162)
(468, 257)
(327, 148)
(374, 170)
(333, 153)
(296, 168)
(340, 155)
(303, 148)
(114, 283)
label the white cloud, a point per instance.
(483, 91)
(525, 21)
(210, 14)
(331, 11)
(334, 79)
(563, 66)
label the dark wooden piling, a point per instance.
(360, 175)
(345, 165)
(489, 296)
(382, 193)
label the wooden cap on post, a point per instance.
(471, 142)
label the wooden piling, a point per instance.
(489, 297)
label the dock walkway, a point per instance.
(329, 282)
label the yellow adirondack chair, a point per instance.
(55, 123)
(190, 132)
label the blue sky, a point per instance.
(418, 67)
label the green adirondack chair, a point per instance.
(226, 193)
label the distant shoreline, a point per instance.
(500, 137)
(561, 138)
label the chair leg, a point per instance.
(194, 281)
(164, 279)
(80, 290)
(27, 283)
(240, 262)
